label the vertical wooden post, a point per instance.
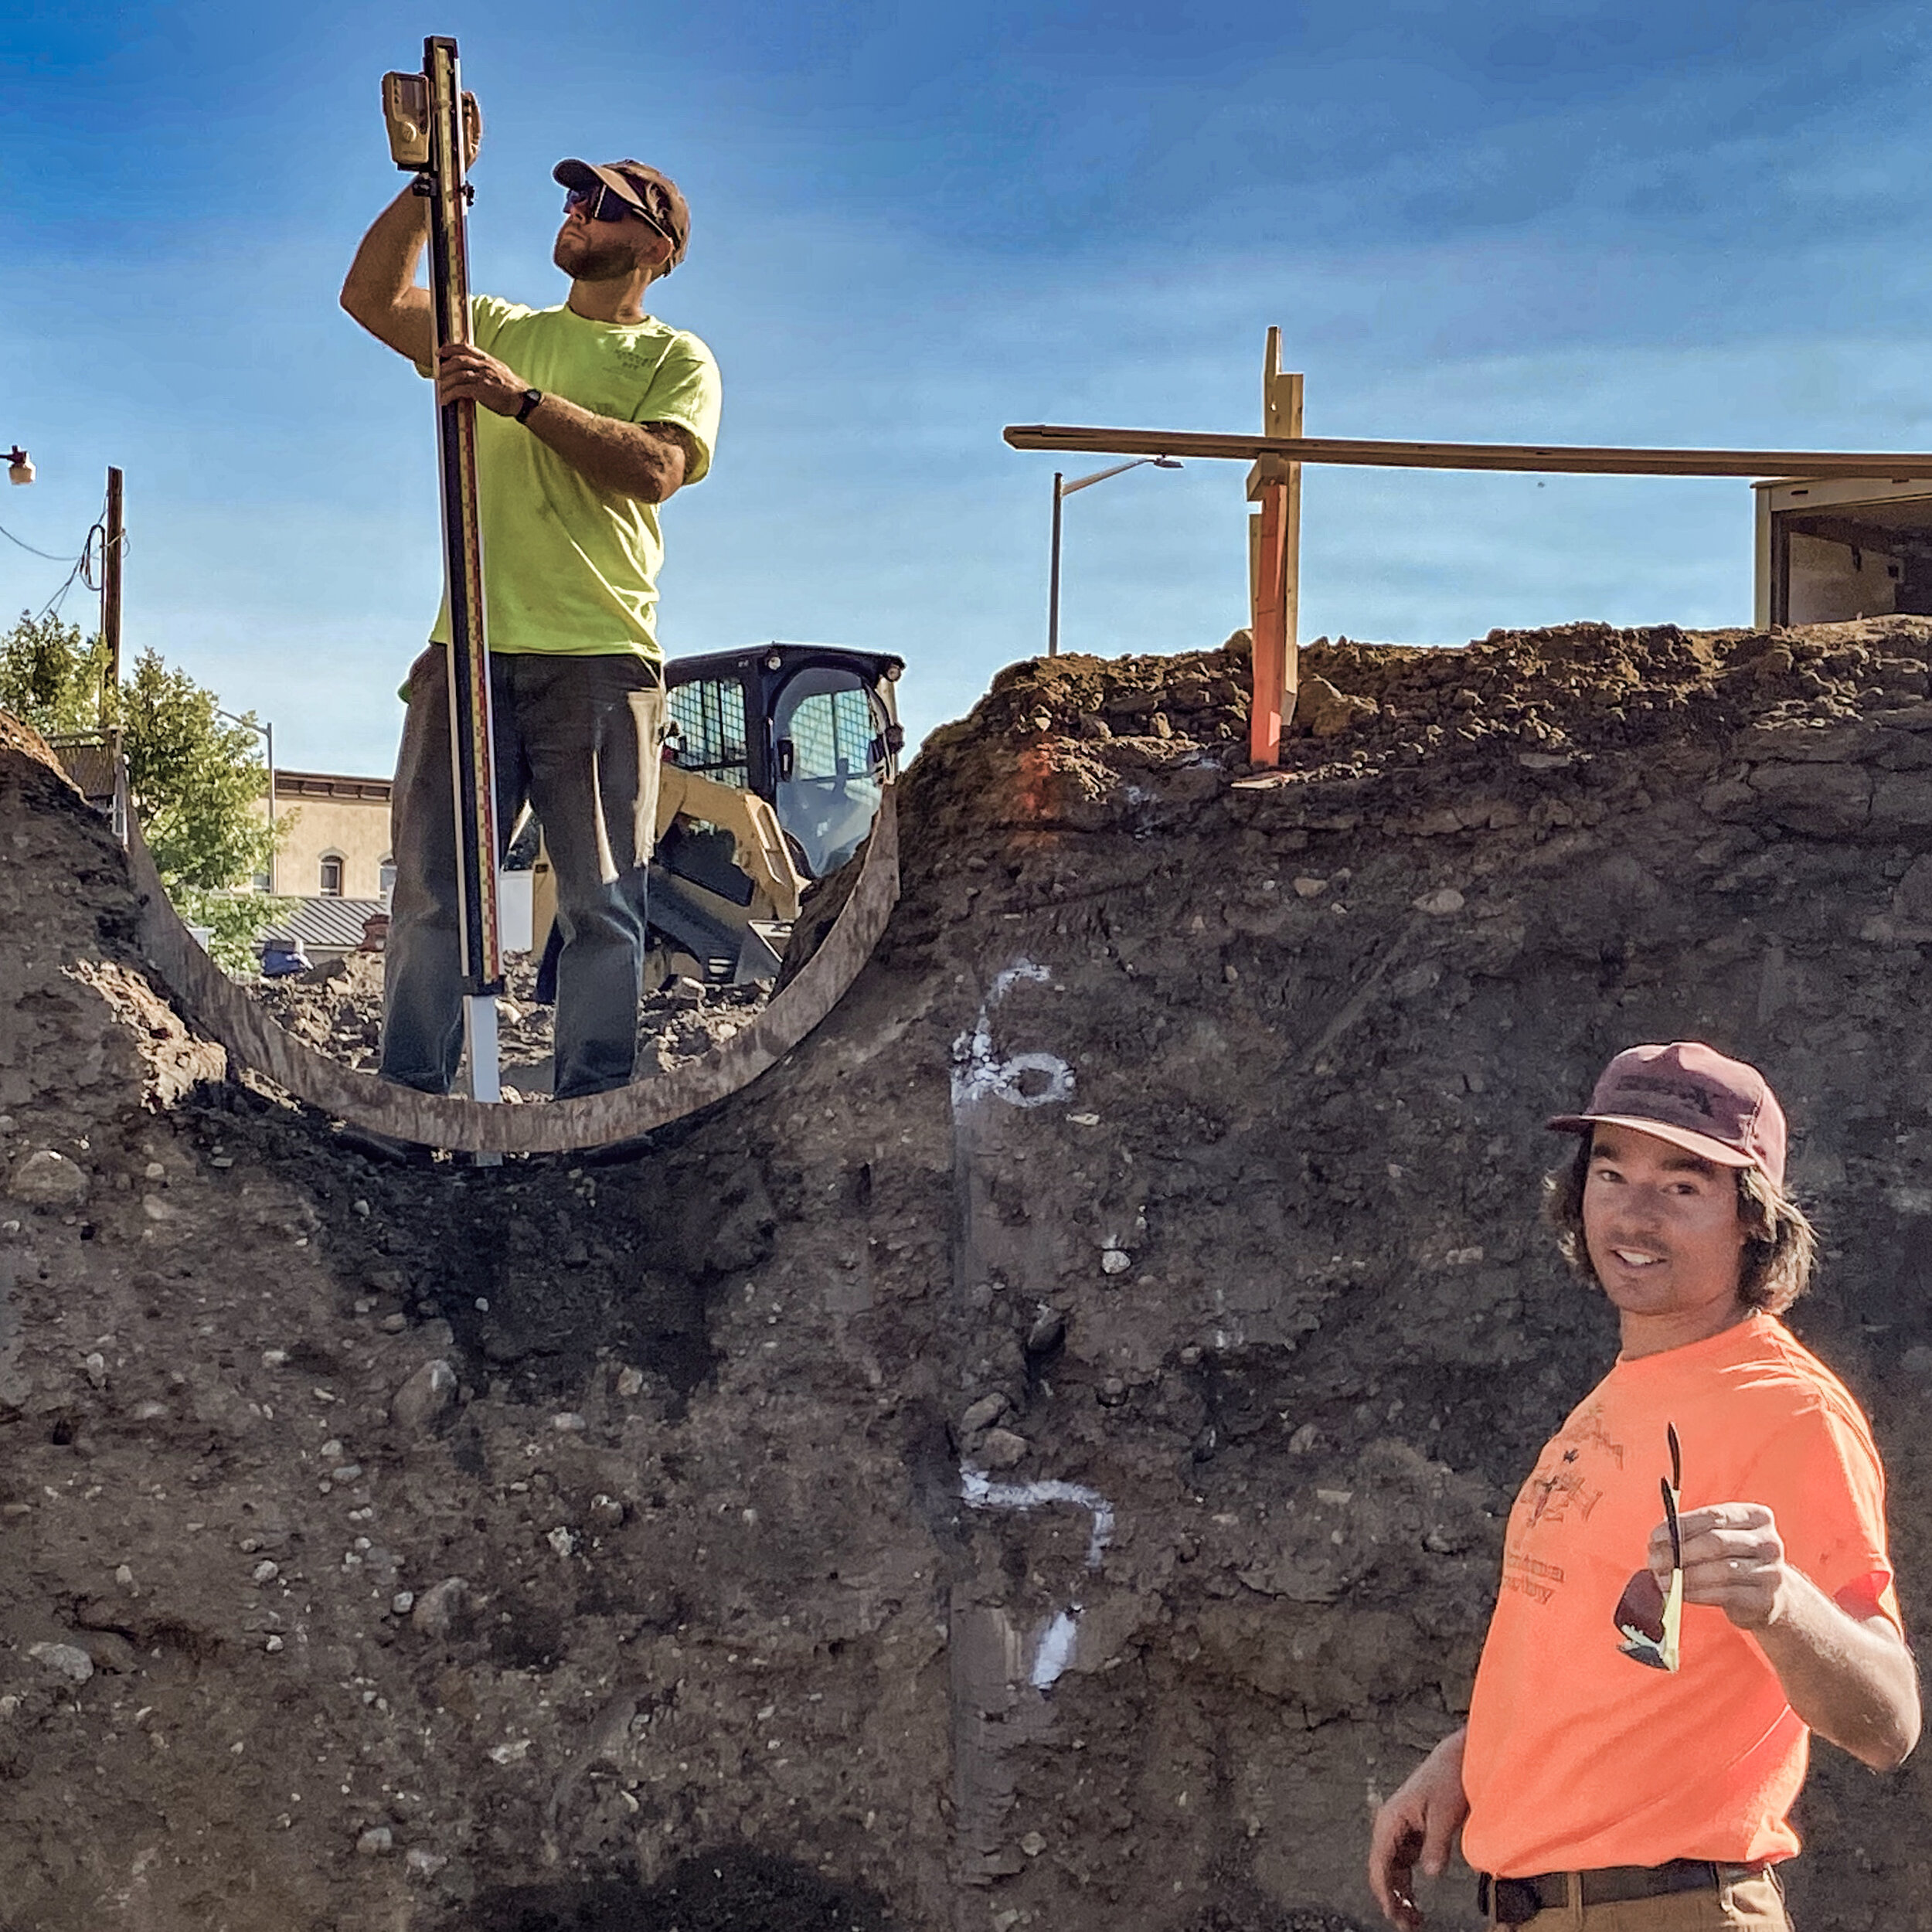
(1276, 564)
(113, 541)
(113, 538)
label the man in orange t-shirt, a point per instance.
(1647, 1691)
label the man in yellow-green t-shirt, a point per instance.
(589, 416)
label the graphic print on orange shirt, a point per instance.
(1568, 1479)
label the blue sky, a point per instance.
(1498, 219)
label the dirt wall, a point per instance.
(1037, 1458)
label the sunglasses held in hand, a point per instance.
(1652, 1620)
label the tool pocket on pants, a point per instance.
(649, 711)
(1755, 1904)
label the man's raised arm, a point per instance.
(380, 290)
(1846, 1670)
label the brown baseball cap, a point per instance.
(653, 194)
(1689, 1094)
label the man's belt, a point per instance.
(1517, 1901)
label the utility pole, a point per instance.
(113, 537)
(113, 541)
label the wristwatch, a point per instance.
(531, 398)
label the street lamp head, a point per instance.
(19, 465)
(1063, 488)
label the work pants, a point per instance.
(579, 739)
(1754, 1904)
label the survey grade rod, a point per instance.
(472, 765)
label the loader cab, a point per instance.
(811, 729)
(776, 760)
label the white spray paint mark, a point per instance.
(978, 1075)
(1055, 1650)
(980, 1491)
(1026, 1080)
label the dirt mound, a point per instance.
(1038, 1455)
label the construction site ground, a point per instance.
(1036, 1459)
(337, 1009)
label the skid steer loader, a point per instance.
(772, 770)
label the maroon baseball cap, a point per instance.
(653, 194)
(1689, 1094)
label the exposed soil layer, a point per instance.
(1036, 1459)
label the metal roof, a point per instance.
(92, 760)
(334, 925)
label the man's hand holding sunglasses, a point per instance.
(1733, 1561)
(1842, 1663)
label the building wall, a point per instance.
(325, 815)
(1833, 581)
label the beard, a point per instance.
(586, 261)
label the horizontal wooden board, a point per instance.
(1576, 458)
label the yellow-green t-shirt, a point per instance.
(568, 567)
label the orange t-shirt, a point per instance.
(1579, 1757)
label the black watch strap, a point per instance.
(531, 398)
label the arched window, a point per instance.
(385, 878)
(331, 871)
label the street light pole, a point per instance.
(267, 731)
(1061, 491)
(1053, 572)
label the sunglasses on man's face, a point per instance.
(1651, 1621)
(605, 204)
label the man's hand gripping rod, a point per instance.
(426, 116)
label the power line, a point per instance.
(51, 557)
(82, 568)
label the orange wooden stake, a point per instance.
(1276, 576)
(1271, 644)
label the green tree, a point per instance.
(51, 678)
(193, 776)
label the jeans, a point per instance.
(578, 738)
